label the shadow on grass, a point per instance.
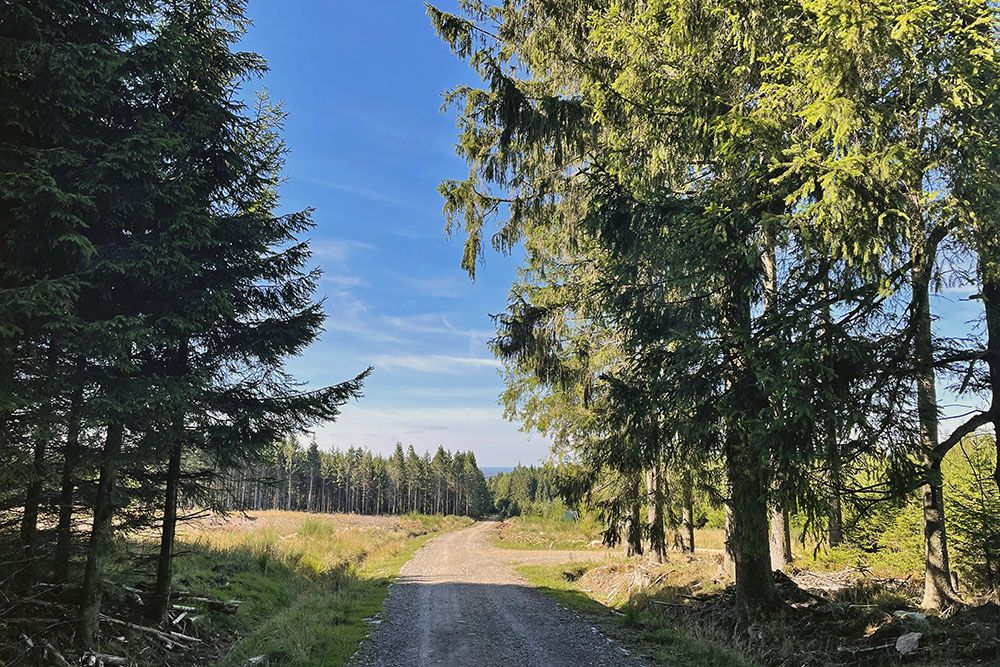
(288, 612)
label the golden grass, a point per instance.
(312, 544)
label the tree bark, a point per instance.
(309, 497)
(33, 494)
(71, 457)
(780, 539)
(991, 304)
(748, 457)
(835, 516)
(657, 534)
(633, 534)
(938, 590)
(687, 512)
(100, 538)
(159, 603)
(748, 539)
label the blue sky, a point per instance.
(362, 84)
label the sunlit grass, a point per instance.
(307, 583)
(570, 585)
(555, 532)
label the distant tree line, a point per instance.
(313, 480)
(151, 287)
(525, 489)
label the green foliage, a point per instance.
(731, 218)
(887, 539)
(526, 490)
(973, 502)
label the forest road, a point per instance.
(457, 602)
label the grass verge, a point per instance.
(308, 583)
(633, 627)
(534, 532)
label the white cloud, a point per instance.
(482, 430)
(342, 279)
(435, 363)
(337, 250)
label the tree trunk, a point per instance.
(100, 538)
(309, 498)
(657, 534)
(780, 539)
(71, 456)
(687, 512)
(748, 539)
(991, 303)
(159, 604)
(633, 534)
(748, 457)
(33, 495)
(835, 520)
(835, 515)
(938, 590)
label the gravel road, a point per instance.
(458, 602)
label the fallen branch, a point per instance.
(104, 658)
(166, 635)
(56, 655)
(230, 607)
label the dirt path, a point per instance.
(458, 602)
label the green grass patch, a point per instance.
(307, 584)
(545, 532)
(664, 644)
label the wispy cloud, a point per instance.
(338, 250)
(343, 279)
(496, 441)
(442, 287)
(435, 363)
(365, 193)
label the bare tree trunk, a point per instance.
(100, 538)
(71, 457)
(33, 495)
(780, 540)
(991, 303)
(748, 461)
(938, 590)
(657, 534)
(835, 515)
(748, 540)
(687, 512)
(633, 534)
(159, 604)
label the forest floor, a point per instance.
(285, 588)
(845, 617)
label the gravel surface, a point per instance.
(458, 602)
